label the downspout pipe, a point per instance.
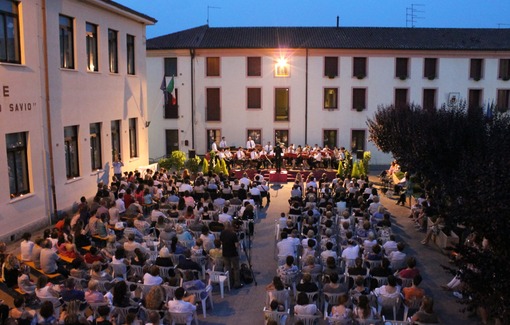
(48, 112)
(306, 99)
(192, 55)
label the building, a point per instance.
(313, 85)
(73, 95)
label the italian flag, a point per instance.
(171, 90)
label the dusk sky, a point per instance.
(175, 16)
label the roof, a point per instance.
(377, 38)
(129, 10)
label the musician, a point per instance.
(291, 149)
(268, 147)
(326, 156)
(278, 152)
(222, 155)
(214, 146)
(254, 156)
(223, 143)
(263, 155)
(240, 156)
(250, 144)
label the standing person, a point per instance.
(223, 143)
(278, 153)
(117, 167)
(250, 144)
(230, 245)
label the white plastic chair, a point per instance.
(330, 299)
(221, 278)
(279, 316)
(183, 318)
(309, 319)
(203, 301)
(413, 304)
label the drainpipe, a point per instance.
(192, 55)
(306, 99)
(48, 111)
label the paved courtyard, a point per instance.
(244, 306)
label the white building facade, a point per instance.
(313, 85)
(73, 96)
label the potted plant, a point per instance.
(431, 77)
(177, 159)
(359, 109)
(402, 77)
(360, 76)
(332, 76)
(193, 164)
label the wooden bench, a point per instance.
(37, 271)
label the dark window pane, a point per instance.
(254, 64)
(429, 99)
(213, 67)
(281, 104)
(401, 68)
(170, 67)
(359, 98)
(359, 67)
(331, 66)
(254, 97)
(430, 68)
(213, 110)
(476, 69)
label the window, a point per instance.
(91, 40)
(133, 137)
(95, 146)
(213, 67)
(475, 99)
(331, 66)
(256, 135)
(329, 137)
(9, 32)
(504, 69)
(254, 97)
(17, 163)
(171, 105)
(281, 68)
(281, 136)
(130, 50)
(113, 56)
(359, 99)
(357, 141)
(430, 68)
(71, 151)
(401, 97)
(213, 109)
(401, 68)
(115, 131)
(281, 105)
(66, 42)
(330, 98)
(254, 66)
(213, 135)
(359, 67)
(429, 99)
(475, 71)
(503, 100)
(170, 67)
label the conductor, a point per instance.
(278, 153)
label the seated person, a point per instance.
(426, 313)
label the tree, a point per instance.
(461, 157)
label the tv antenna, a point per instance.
(210, 7)
(412, 14)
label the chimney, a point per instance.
(337, 21)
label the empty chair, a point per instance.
(330, 299)
(164, 271)
(136, 271)
(221, 278)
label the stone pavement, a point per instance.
(244, 306)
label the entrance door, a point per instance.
(172, 141)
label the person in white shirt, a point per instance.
(250, 144)
(178, 305)
(268, 147)
(223, 143)
(328, 252)
(26, 247)
(119, 203)
(390, 245)
(214, 146)
(286, 246)
(152, 277)
(351, 252)
(225, 217)
(245, 180)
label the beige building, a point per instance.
(73, 96)
(313, 85)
